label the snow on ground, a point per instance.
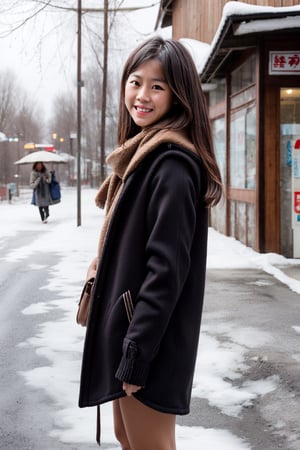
(61, 341)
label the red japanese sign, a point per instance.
(284, 63)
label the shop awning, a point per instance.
(240, 28)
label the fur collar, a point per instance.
(125, 159)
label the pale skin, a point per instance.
(148, 97)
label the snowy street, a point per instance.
(247, 380)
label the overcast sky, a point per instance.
(43, 51)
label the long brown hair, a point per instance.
(43, 169)
(189, 112)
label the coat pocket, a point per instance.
(128, 304)
(119, 315)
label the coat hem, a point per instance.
(102, 400)
(145, 401)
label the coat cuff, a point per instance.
(131, 370)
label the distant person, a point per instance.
(152, 249)
(10, 194)
(40, 180)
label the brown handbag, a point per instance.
(84, 303)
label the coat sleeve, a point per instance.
(34, 180)
(170, 222)
(48, 177)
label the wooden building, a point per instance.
(251, 74)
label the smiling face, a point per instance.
(148, 97)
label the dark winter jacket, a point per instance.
(155, 248)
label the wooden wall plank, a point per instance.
(199, 19)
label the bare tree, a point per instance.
(8, 95)
(63, 121)
(20, 122)
(29, 123)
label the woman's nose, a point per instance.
(143, 94)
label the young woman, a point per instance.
(152, 249)
(40, 180)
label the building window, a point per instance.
(244, 76)
(217, 91)
(218, 218)
(219, 138)
(242, 153)
(243, 126)
(243, 148)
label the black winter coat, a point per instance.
(155, 248)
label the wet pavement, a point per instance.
(254, 312)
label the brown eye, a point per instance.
(157, 87)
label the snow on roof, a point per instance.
(201, 51)
(240, 8)
(2, 137)
(255, 26)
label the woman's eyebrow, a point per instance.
(161, 80)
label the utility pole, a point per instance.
(105, 10)
(104, 89)
(79, 85)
